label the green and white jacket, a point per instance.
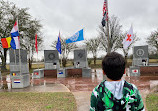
(102, 99)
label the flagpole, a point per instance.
(36, 48)
(61, 51)
(15, 56)
(20, 60)
(65, 51)
(61, 61)
(37, 62)
(19, 50)
(109, 48)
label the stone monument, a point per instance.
(51, 61)
(140, 58)
(61, 73)
(38, 73)
(80, 58)
(19, 72)
(80, 64)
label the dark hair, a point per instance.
(113, 65)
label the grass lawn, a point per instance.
(152, 102)
(35, 101)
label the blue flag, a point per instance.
(78, 36)
(58, 45)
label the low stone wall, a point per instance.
(50, 73)
(149, 71)
(74, 72)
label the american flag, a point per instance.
(105, 13)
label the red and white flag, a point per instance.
(36, 43)
(128, 39)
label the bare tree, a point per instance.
(93, 46)
(152, 41)
(6, 22)
(114, 34)
(65, 48)
(9, 12)
(28, 39)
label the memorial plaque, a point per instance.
(24, 68)
(14, 56)
(140, 52)
(80, 58)
(80, 55)
(140, 56)
(14, 61)
(50, 56)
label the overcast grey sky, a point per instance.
(69, 16)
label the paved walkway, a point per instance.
(55, 87)
(81, 88)
(83, 99)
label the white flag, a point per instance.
(128, 39)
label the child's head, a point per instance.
(113, 65)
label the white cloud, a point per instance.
(69, 16)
